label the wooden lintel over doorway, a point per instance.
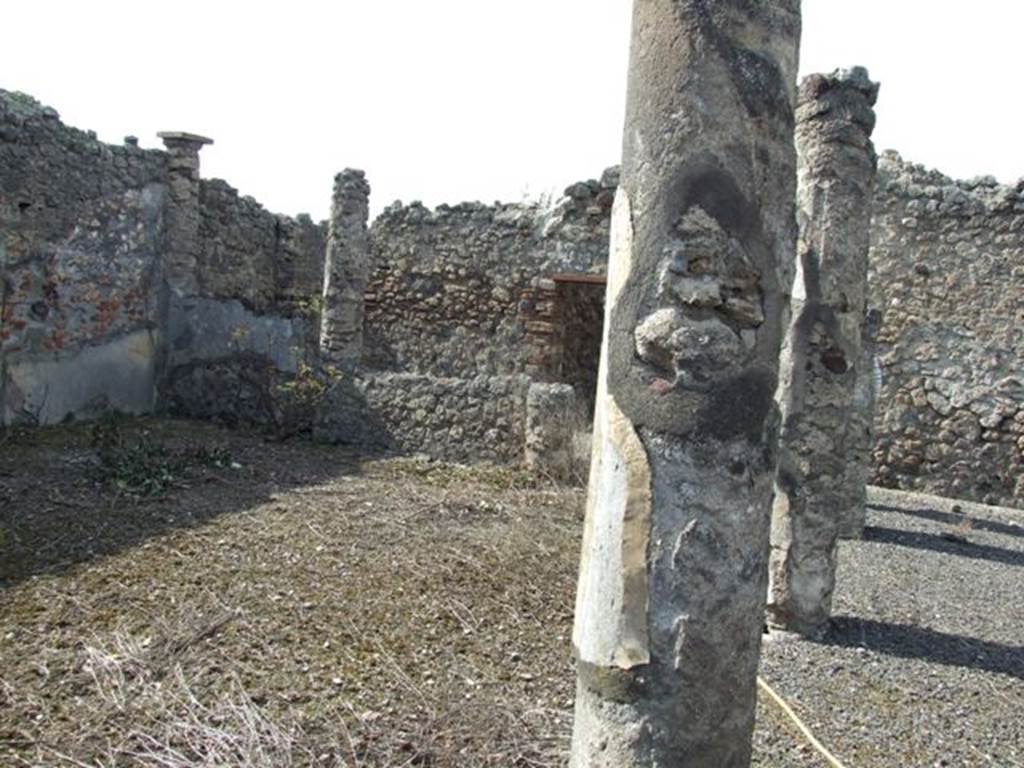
(580, 277)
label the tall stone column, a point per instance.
(183, 209)
(346, 271)
(824, 349)
(672, 581)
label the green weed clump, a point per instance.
(144, 466)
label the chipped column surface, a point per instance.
(346, 272)
(672, 579)
(824, 349)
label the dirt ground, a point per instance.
(206, 597)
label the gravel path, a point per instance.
(340, 611)
(924, 664)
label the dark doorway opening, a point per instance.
(580, 302)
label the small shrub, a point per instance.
(295, 402)
(215, 458)
(145, 467)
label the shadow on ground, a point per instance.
(952, 518)
(909, 642)
(938, 543)
(54, 514)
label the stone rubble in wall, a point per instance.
(81, 224)
(87, 239)
(480, 418)
(79, 229)
(948, 274)
(447, 285)
(268, 261)
(456, 295)
(931, 191)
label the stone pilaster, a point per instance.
(346, 272)
(552, 419)
(823, 354)
(673, 574)
(183, 209)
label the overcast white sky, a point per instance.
(449, 100)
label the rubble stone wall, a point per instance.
(460, 291)
(254, 321)
(947, 272)
(267, 261)
(456, 313)
(482, 418)
(448, 286)
(87, 321)
(81, 233)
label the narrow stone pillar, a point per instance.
(183, 211)
(670, 602)
(552, 420)
(346, 271)
(823, 349)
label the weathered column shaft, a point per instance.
(861, 432)
(823, 350)
(183, 216)
(672, 580)
(346, 271)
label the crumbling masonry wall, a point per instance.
(451, 288)
(253, 319)
(88, 322)
(457, 419)
(452, 320)
(947, 273)
(465, 290)
(81, 231)
(89, 241)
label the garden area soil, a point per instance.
(214, 598)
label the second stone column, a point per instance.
(823, 355)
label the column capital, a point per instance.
(182, 142)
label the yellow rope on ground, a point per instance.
(832, 759)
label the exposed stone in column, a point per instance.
(183, 209)
(823, 351)
(346, 271)
(672, 584)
